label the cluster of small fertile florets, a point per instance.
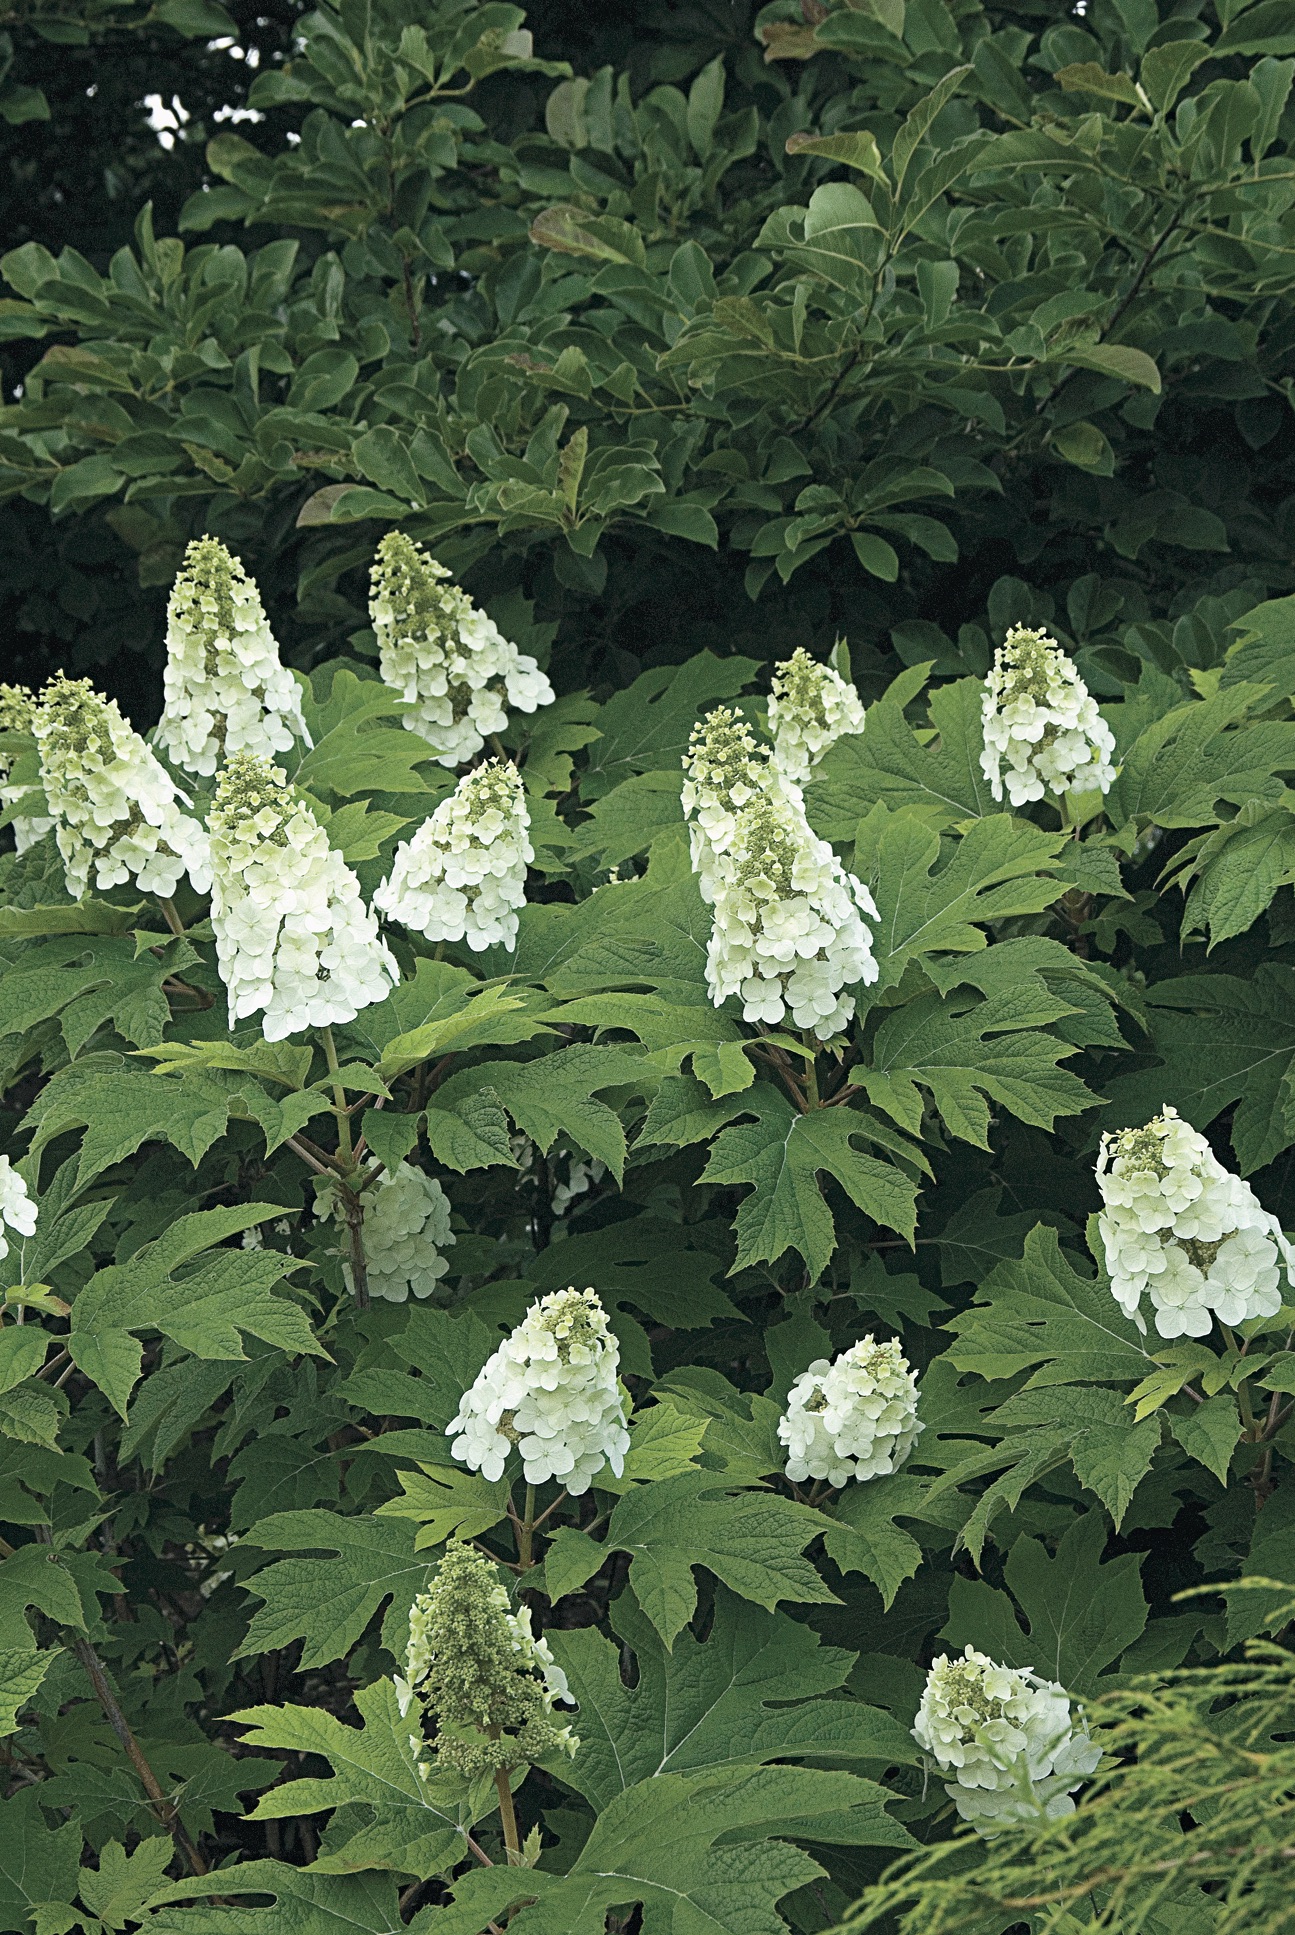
(551, 1391)
(115, 806)
(448, 660)
(1177, 1225)
(462, 877)
(788, 934)
(480, 1674)
(725, 773)
(1007, 1740)
(855, 1417)
(17, 711)
(406, 1231)
(225, 690)
(17, 1210)
(293, 934)
(1043, 732)
(811, 708)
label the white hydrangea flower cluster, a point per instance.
(225, 690)
(1042, 723)
(788, 934)
(116, 808)
(462, 876)
(551, 1390)
(17, 711)
(293, 934)
(725, 772)
(852, 1418)
(17, 1209)
(1178, 1225)
(811, 708)
(406, 1232)
(1008, 1738)
(444, 657)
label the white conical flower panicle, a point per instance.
(852, 1418)
(725, 772)
(448, 660)
(1042, 730)
(811, 708)
(225, 690)
(462, 877)
(406, 1230)
(1179, 1227)
(116, 808)
(1007, 1740)
(17, 1210)
(293, 934)
(788, 934)
(551, 1390)
(17, 712)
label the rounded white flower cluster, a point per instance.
(17, 711)
(406, 1230)
(1177, 1224)
(725, 771)
(16, 1207)
(293, 934)
(1008, 1739)
(788, 933)
(551, 1390)
(448, 660)
(114, 804)
(1041, 722)
(811, 708)
(462, 876)
(225, 690)
(855, 1417)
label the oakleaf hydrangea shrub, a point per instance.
(643, 1194)
(1005, 1737)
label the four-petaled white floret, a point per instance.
(1178, 1226)
(293, 934)
(224, 687)
(1042, 730)
(551, 1391)
(788, 934)
(811, 708)
(405, 1232)
(448, 660)
(1007, 1740)
(852, 1418)
(17, 1210)
(116, 809)
(462, 876)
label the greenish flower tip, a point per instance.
(17, 708)
(722, 755)
(412, 584)
(76, 717)
(252, 790)
(1029, 664)
(205, 590)
(768, 853)
(484, 1680)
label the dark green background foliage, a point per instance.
(687, 336)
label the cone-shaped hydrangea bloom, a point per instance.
(225, 690)
(17, 1209)
(788, 934)
(115, 805)
(855, 1417)
(1042, 729)
(293, 934)
(485, 1680)
(811, 708)
(444, 657)
(551, 1390)
(1179, 1226)
(725, 771)
(462, 877)
(17, 712)
(406, 1229)
(1006, 1738)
